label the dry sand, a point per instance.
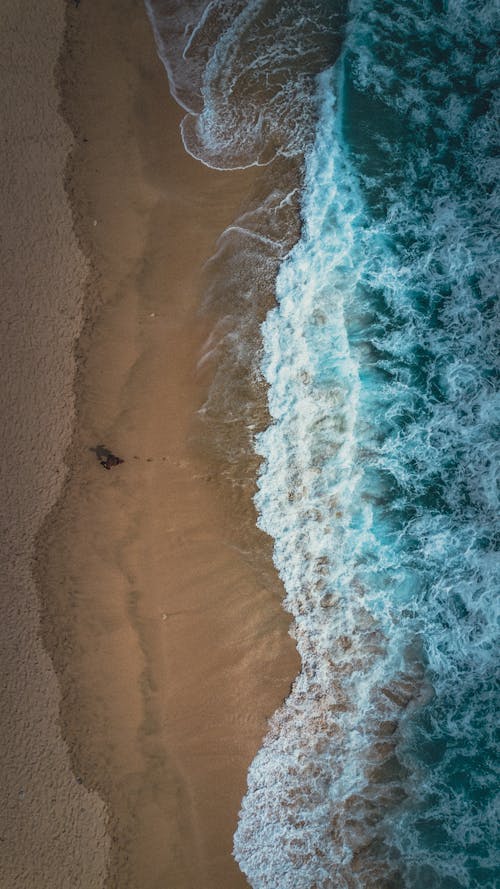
(170, 648)
(52, 830)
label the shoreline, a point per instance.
(138, 567)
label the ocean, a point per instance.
(373, 324)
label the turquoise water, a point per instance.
(379, 475)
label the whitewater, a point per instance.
(378, 480)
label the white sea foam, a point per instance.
(304, 810)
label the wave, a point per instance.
(379, 483)
(244, 71)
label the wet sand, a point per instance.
(170, 646)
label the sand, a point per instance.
(169, 644)
(52, 829)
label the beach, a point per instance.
(248, 402)
(167, 635)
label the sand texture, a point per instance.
(170, 646)
(52, 830)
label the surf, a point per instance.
(381, 363)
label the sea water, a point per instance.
(379, 475)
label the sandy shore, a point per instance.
(170, 648)
(52, 830)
